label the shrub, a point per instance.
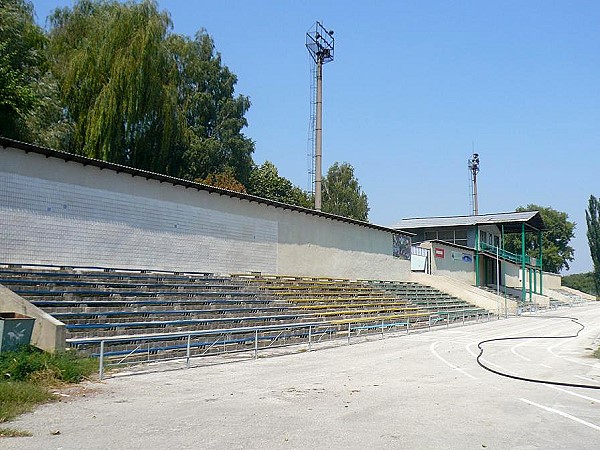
(32, 364)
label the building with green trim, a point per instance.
(472, 248)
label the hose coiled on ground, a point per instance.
(535, 380)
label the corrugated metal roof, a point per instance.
(511, 220)
(31, 148)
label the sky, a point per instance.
(414, 88)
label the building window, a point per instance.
(458, 237)
(430, 235)
(446, 235)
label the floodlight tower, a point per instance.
(319, 42)
(473, 165)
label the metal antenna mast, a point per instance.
(473, 165)
(319, 43)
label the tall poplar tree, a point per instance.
(592, 217)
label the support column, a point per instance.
(523, 293)
(540, 241)
(529, 271)
(476, 255)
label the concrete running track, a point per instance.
(421, 391)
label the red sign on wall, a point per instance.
(439, 252)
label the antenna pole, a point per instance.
(319, 135)
(320, 44)
(475, 205)
(473, 164)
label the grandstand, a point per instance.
(106, 258)
(141, 315)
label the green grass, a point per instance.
(17, 397)
(27, 375)
(12, 432)
(597, 353)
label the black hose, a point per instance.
(535, 380)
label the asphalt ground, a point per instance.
(421, 391)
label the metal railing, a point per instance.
(144, 349)
(508, 256)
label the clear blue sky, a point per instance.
(413, 85)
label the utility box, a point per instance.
(15, 331)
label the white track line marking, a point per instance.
(586, 379)
(514, 351)
(592, 399)
(581, 363)
(468, 347)
(546, 366)
(561, 413)
(449, 364)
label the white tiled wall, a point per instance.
(45, 221)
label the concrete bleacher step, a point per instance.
(114, 304)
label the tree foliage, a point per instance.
(266, 182)
(225, 180)
(115, 76)
(583, 282)
(557, 253)
(342, 194)
(22, 45)
(138, 94)
(592, 217)
(211, 117)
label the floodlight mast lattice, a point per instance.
(474, 170)
(320, 45)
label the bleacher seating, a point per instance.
(445, 306)
(135, 309)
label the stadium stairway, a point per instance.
(443, 305)
(145, 312)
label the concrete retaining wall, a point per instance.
(68, 213)
(48, 332)
(464, 291)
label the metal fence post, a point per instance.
(429, 323)
(309, 338)
(348, 332)
(188, 350)
(407, 324)
(382, 329)
(255, 344)
(447, 320)
(101, 368)
(463, 316)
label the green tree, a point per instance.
(138, 94)
(557, 253)
(212, 117)
(225, 180)
(583, 282)
(266, 182)
(592, 217)
(342, 195)
(22, 45)
(116, 78)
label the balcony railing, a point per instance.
(508, 256)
